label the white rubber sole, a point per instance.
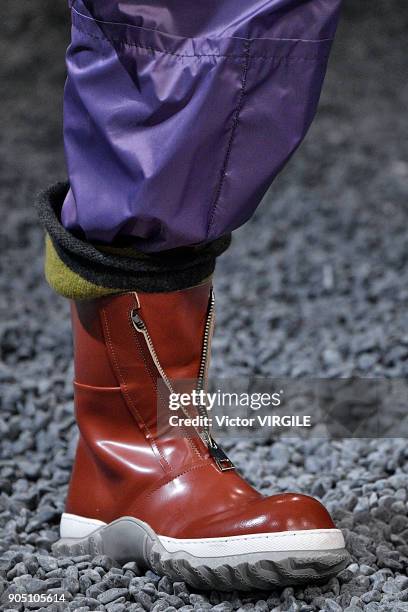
(259, 561)
(74, 526)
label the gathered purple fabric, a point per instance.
(178, 115)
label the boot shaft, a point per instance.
(103, 329)
(116, 393)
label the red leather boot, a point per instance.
(169, 502)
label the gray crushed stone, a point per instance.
(315, 285)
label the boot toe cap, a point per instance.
(294, 512)
(278, 513)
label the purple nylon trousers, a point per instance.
(178, 115)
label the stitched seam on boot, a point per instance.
(96, 387)
(128, 399)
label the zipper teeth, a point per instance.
(149, 343)
(215, 451)
(140, 326)
(202, 409)
(143, 330)
(158, 364)
(206, 342)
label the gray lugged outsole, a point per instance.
(129, 539)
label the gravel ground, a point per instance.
(315, 285)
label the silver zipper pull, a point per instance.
(137, 320)
(222, 460)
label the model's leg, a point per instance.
(177, 118)
(176, 121)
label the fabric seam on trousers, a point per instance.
(237, 112)
(278, 58)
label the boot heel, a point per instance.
(68, 547)
(126, 539)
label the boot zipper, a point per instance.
(140, 326)
(204, 364)
(208, 331)
(216, 452)
(221, 459)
